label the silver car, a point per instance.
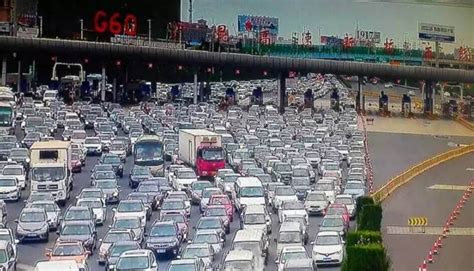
(52, 211)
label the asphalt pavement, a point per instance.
(30, 253)
(414, 199)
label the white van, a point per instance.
(69, 265)
(254, 241)
(49, 96)
(248, 191)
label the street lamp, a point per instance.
(40, 26)
(149, 32)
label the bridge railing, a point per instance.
(405, 177)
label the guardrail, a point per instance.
(385, 191)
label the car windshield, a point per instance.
(335, 211)
(76, 230)
(48, 173)
(354, 186)
(327, 240)
(105, 175)
(182, 267)
(294, 255)
(19, 153)
(67, 250)
(301, 181)
(77, 215)
(289, 237)
(91, 194)
(7, 182)
(220, 201)
(213, 154)
(3, 256)
(112, 237)
(255, 219)
(130, 207)
(216, 212)
(332, 222)
(331, 167)
(116, 250)
(12, 171)
(238, 265)
(111, 159)
(193, 252)
(315, 197)
(92, 141)
(199, 186)
(32, 217)
(163, 230)
(90, 203)
(292, 205)
(129, 223)
(207, 193)
(324, 187)
(78, 135)
(146, 151)
(48, 207)
(345, 201)
(283, 168)
(187, 174)
(173, 205)
(141, 171)
(133, 263)
(252, 246)
(106, 184)
(300, 172)
(209, 224)
(206, 238)
(173, 217)
(148, 188)
(284, 191)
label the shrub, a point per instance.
(360, 202)
(368, 257)
(370, 218)
(363, 237)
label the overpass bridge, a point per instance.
(27, 49)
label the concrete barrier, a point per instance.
(392, 185)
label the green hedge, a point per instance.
(361, 202)
(370, 218)
(364, 237)
(369, 257)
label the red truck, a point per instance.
(202, 149)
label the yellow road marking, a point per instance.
(449, 187)
(402, 230)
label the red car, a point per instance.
(76, 163)
(181, 220)
(338, 209)
(223, 199)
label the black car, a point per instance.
(164, 238)
(114, 160)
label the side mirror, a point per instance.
(343, 242)
(155, 265)
(114, 209)
(189, 242)
(312, 243)
(178, 257)
(277, 261)
(16, 220)
(275, 239)
(17, 241)
(222, 240)
(100, 240)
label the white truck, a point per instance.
(202, 149)
(50, 169)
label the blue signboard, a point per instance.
(247, 23)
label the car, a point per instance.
(93, 145)
(9, 259)
(240, 259)
(114, 160)
(131, 208)
(164, 238)
(290, 253)
(153, 193)
(32, 224)
(91, 193)
(347, 200)
(130, 223)
(328, 248)
(68, 250)
(180, 219)
(143, 197)
(83, 231)
(52, 209)
(327, 187)
(316, 202)
(137, 260)
(355, 188)
(299, 265)
(221, 212)
(183, 178)
(204, 252)
(79, 213)
(187, 264)
(223, 200)
(339, 210)
(173, 206)
(112, 236)
(212, 223)
(6, 234)
(98, 208)
(208, 237)
(76, 163)
(388, 85)
(139, 174)
(206, 196)
(293, 208)
(20, 155)
(282, 172)
(118, 148)
(110, 188)
(115, 250)
(196, 190)
(283, 193)
(333, 223)
(16, 171)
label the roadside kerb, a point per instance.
(368, 162)
(385, 191)
(465, 123)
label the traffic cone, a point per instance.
(435, 247)
(439, 242)
(430, 257)
(450, 220)
(424, 267)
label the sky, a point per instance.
(396, 19)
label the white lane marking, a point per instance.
(470, 169)
(449, 187)
(404, 230)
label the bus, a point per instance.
(7, 117)
(148, 152)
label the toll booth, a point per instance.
(335, 100)
(85, 89)
(406, 105)
(230, 96)
(383, 103)
(257, 96)
(308, 99)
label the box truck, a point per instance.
(50, 169)
(202, 150)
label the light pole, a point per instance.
(40, 26)
(190, 11)
(149, 32)
(81, 21)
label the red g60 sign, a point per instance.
(103, 23)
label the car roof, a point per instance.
(328, 233)
(248, 235)
(236, 255)
(293, 249)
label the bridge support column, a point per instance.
(195, 100)
(360, 95)
(429, 97)
(282, 92)
(114, 90)
(103, 85)
(18, 77)
(4, 72)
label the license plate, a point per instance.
(160, 250)
(326, 259)
(31, 235)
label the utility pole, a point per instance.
(437, 54)
(149, 32)
(40, 26)
(190, 11)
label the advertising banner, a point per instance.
(436, 32)
(372, 36)
(248, 23)
(331, 41)
(139, 41)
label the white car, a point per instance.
(283, 193)
(388, 85)
(411, 93)
(9, 188)
(78, 136)
(129, 208)
(93, 145)
(290, 252)
(347, 200)
(183, 178)
(98, 208)
(16, 171)
(316, 202)
(328, 187)
(210, 237)
(291, 208)
(328, 248)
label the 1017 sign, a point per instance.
(115, 23)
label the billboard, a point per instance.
(248, 23)
(372, 36)
(103, 19)
(331, 41)
(436, 32)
